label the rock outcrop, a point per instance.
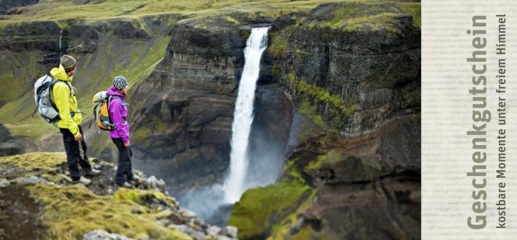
(9, 145)
(36, 190)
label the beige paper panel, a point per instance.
(447, 116)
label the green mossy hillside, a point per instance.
(114, 56)
(259, 210)
(15, 79)
(70, 211)
(254, 214)
(63, 10)
(33, 164)
(366, 16)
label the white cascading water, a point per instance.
(60, 38)
(243, 115)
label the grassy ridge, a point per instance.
(65, 10)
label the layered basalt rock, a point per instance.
(14, 6)
(353, 72)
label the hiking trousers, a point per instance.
(124, 169)
(73, 154)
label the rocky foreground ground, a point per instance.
(39, 201)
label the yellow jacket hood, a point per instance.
(60, 74)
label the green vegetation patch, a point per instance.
(307, 232)
(71, 11)
(15, 79)
(134, 60)
(141, 196)
(366, 16)
(141, 134)
(62, 10)
(415, 9)
(372, 23)
(312, 97)
(292, 172)
(144, 131)
(331, 157)
(278, 43)
(71, 211)
(282, 226)
(35, 161)
(17, 76)
(258, 208)
(34, 164)
(32, 129)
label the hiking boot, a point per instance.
(82, 180)
(125, 185)
(93, 172)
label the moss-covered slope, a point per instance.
(60, 210)
(104, 49)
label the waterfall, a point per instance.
(60, 38)
(243, 115)
(214, 203)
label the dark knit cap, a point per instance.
(68, 62)
(119, 82)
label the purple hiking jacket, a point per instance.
(118, 115)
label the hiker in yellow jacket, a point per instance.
(64, 96)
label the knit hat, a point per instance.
(68, 62)
(119, 82)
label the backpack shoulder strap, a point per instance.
(54, 81)
(51, 87)
(108, 100)
(111, 97)
(114, 96)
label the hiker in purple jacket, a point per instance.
(120, 135)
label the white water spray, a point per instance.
(243, 115)
(60, 38)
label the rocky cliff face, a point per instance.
(193, 93)
(350, 66)
(353, 167)
(184, 127)
(32, 45)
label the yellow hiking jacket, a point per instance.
(66, 102)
